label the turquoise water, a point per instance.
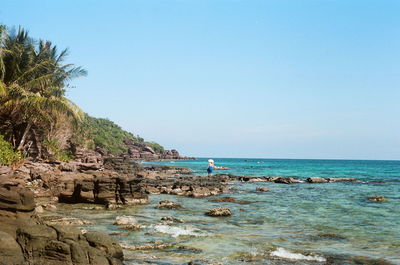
(290, 224)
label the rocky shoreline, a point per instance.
(107, 183)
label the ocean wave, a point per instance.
(176, 231)
(283, 253)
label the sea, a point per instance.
(330, 223)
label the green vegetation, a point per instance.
(103, 133)
(32, 88)
(7, 155)
(35, 116)
(156, 147)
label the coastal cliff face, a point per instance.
(141, 151)
(25, 239)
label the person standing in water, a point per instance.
(210, 167)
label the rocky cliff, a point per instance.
(25, 239)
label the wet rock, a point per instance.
(147, 247)
(225, 199)
(377, 198)
(219, 211)
(342, 179)
(168, 205)
(262, 189)
(61, 220)
(317, 180)
(125, 220)
(172, 219)
(49, 207)
(332, 236)
(134, 227)
(286, 180)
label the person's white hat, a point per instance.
(210, 161)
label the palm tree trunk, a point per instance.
(23, 139)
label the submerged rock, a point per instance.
(219, 211)
(262, 189)
(134, 227)
(172, 219)
(168, 205)
(147, 247)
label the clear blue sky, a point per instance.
(214, 78)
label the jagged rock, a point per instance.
(24, 239)
(219, 211)
(168, 205)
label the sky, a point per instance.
(238, 78)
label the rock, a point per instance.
(61, 220)
(286, 180)
(39, 209)
(219, 211)
(225, 199)
(147, 247)
(125, 220)
(152, 190)
(317, 180)
(341, 179)
(10, 250)
(134, 227)
(105, 244)
(172, 219)
(377, 198)
(199, 192)
(262, 189)
(168, 205)
(50, 207)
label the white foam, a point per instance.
(176, 231)
(283, 253)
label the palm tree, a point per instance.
(32, 86)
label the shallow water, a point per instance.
(290, 224)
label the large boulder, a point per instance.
(25, 239)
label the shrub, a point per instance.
(7, 154)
